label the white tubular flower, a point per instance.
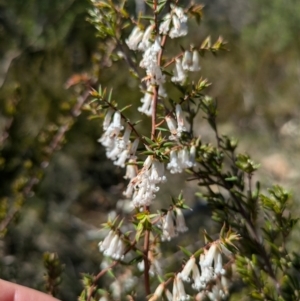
(134, 146)
(121, 145)
(180, 222)
(147, 105)
(184, 158)
(109, 142)
(117, 120)
(161, 91)
(103, 245)
(168, 227)
(139, 197)
(156, 45)
(175, 290)
(122, 158)
(198, 284)
(207, 274)
(129, 191)
(145, 43)
(158, 292)
(180, 13)
(179, 293)
(157, 77)
(116, 126)
(171, 123)
(168, 295)
(209, 256)
(158, 172)
(135, 38)
(131, 169)
(180, 120)
(119, 252)
(195, 62)
(148, 162)
(218, 264)
(179, 28)
(187, 60)
(112, 248)
(114, 153)
(109, 139)
(179, 73)
(165, 25)
(107, 118)
(174, 165)
(124, 141)
(186, 271)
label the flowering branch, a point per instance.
(218, 169)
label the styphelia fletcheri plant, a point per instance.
(170, 148)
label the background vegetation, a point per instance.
(46, 46)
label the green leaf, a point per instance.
(160, 6)
(147, 17)
(148, 140)
(147, 153)
(124, 12)
(135, 260)
(139, 231)
(231, 179)
(162, 129)
(126, 107)
(185, 251)
(207, 238)
(110, 95)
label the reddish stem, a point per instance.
(146, 262)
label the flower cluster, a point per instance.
(211, 265)
(150, 63)
(218, 284)
(176, 128)
(118, 148)
(144, 183)
(113, 246)
(172, 224)
(190, 62)
(143, 186)
(175, 23)
(139, 40)
(182, 159)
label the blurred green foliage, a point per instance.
(45, 45)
